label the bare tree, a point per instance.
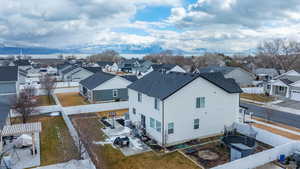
(279, 53)
(108, 55)
(48, 84)
(25, 103)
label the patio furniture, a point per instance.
(122, 141)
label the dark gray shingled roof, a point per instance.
(96, 79)
(159, 67)
(131, 78)
(162, 85)
(286, 81)
(9, 73)
(22, 62)
(69, 69)
(93, 69)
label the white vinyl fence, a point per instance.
(96, 107)
(263, 157)
(59, 90)
(263, 135)
(253, 90)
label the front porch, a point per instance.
(280, 91)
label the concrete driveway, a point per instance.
(290, 104)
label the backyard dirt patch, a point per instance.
(71, 99)
(45, 101)
(56, 143)
(256, 97)
(209, 155)
(108, 157)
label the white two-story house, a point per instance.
(176, 107)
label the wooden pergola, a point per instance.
(18, 129)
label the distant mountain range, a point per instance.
(94, 48)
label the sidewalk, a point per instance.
(271, 105)
(279, 130)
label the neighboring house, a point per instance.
(286, 85)
(75, 74)
(105, 87)
(177, 107)
(129, 65)
(265, 74)
(22, 63)
(105, 64)
(9, 80)
(9, 89)
(167, 68)
(241, 76)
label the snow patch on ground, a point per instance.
(73, 164)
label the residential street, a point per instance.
(273, 115)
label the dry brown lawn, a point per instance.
(57, 145)
(71, 99)
(107, 157)
(45, 101)
(256, 97)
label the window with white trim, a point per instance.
(133, 111)
(158, 126)
(152, 123)
(170, 128)
(200, 102)
(196, 123)
(115, 93)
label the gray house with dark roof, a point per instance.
(241, 76)
(9, 87)
(9, 80)
(177, 107)
(105, 87)
(76, 73)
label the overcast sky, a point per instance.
(184, 24)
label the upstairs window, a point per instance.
(139, 97)
(196, 123)
(133, 111)
(200, 102)
(156, 103)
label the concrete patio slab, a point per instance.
(22, 158)
(136, 146)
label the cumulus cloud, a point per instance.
(237, 24)
(46, 21)
(214, 24)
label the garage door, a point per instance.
(295, 95)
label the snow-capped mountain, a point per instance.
(17, 48)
